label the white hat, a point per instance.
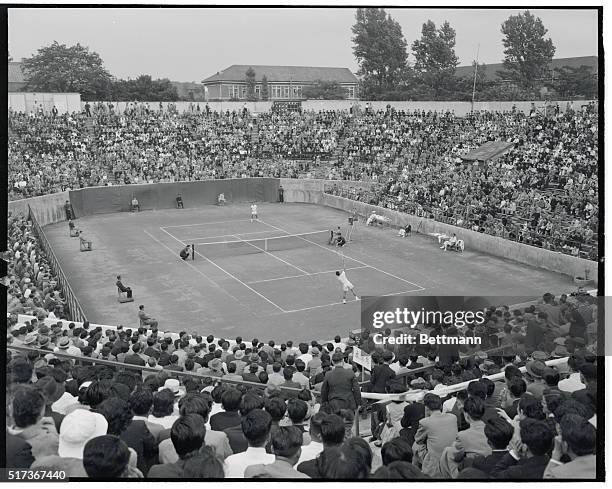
(174, 385)
(77, 429)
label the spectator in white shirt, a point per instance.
(256, 428)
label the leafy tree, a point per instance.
(325, 90)
(265, 90)
(380, 49)
(571, 82)
(465, 85)
(436, 60)
(250, 84)
(527, 52)
(144, 89)
(58, 68)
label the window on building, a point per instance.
(234, 91)
(258, 91)
(297, 91)
(276, 91)
(244, 91)
(286, 92)
(350, 91)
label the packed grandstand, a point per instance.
(111, 402)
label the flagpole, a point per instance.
(475, 72)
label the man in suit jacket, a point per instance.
(230, 400)
(499, 433)
(340, 387)
(530, 459)
(469, 443)
(133, 357)
(578, 441)
(437, 430)
(18, 452)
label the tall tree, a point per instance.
(265, 90)
(380, 49)
(527, 52)
(435, 58)
(571, 82)
(325, 90)
(144, 89)
(58, 68)
(250, 84)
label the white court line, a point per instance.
(228, 273)
(307, 275)
(349, 301)
(345, 256)
(273, 256)
(203, 223)
(190, 238)
(193, 267)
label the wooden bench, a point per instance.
(122, 297)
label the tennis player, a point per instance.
(346, 285)
(254, 212)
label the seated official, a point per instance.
(145, 318)
(179, 202)
(449, 242)
(221, 199)
(135, 204)
(405, 231)
(123, 288)
(84, 242)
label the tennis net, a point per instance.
(262, 245)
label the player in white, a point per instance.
(346, 285)
(254, 212)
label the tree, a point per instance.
(250, 85)
(265, 93)
(380, 49)
(324, 90)
(144, 89)
(58, 68)
(571, 82)
(527, 52)
(435, 58)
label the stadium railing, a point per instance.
(75, 310)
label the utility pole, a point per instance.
(475, 72)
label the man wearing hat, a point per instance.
(216, 367)
(80, 427)
(64, 345)
(535, 369)
(239, 361)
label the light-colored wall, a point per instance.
(460, 108)
(27, 101)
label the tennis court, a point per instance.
(257, 279)
(292, 272)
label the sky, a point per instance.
(190, 44)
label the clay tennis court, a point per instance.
(256, 279)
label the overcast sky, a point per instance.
(190, 44)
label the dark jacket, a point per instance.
(138, 437)
(237, 440)
(381, 374)
(341, 387)
(488, 463)
(224, 420)
(167, 471)
(525, 468)
(133, 359)
(18, 452)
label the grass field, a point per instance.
(282, 290)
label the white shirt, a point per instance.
(343, 280)
(254, 209)
(236, 464)
(571, 384)
(310, 451)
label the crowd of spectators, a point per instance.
(544, 191)
(32, 286)
(259, 409)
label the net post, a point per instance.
(192, 251)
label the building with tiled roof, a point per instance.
(284, 82)
(16, 80)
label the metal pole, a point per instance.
(475, 72)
